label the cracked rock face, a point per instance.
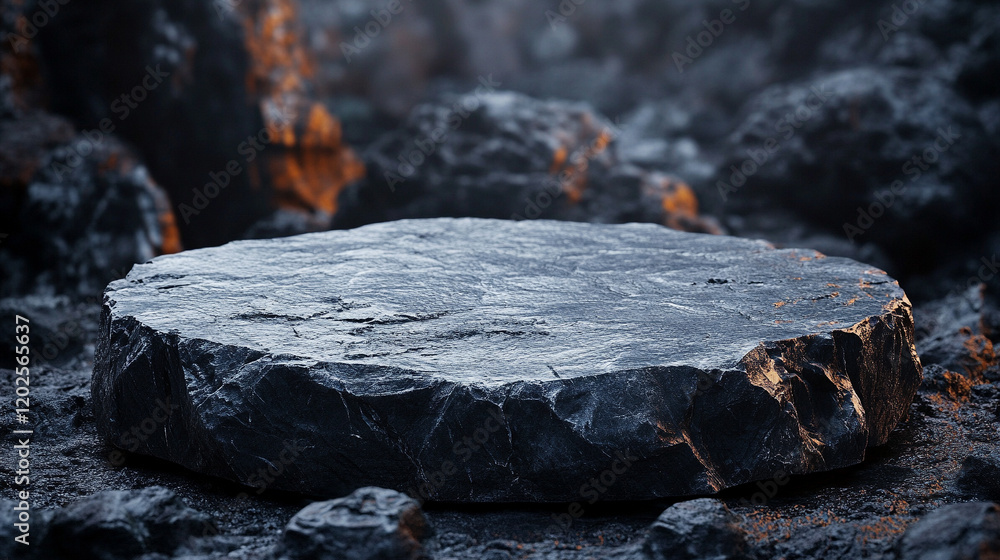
(478, 360)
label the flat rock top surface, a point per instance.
(492, 302)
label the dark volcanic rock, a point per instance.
(837, 541)
(830, 149)
(18, 521)
(79, 208)
(954, 332)
(477, 360)
(194, 51)
(505, 155)
(954, 532)
(370, 524)
(124, 524)
(696, 529)
(980, 476)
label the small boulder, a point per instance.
(967, 531)
(124, 524)
(697, 529)
(980, 476)
(371, 523)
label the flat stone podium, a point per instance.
(470, 360)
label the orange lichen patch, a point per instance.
(312, 179)
(851, 301)
(780, 304)
(814, 257)
(884, 528)
(765, 524)
(575, 186)
(558, 160)
(171, 235)
(780, 322)
(574, 180)
(678, 201)
(312, 165)
(678, 198)
(834, 285)
(322, 130)
(797, 278)
(279, 61)
(876, 271)
(826, 324)
(957, 387)
(980, 354)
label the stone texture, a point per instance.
(499, 154)
(124, 524)
(698, 529)
(370, 524)
(837, 541)
(82, 200)
(980, 476)
(850, 135)
(969, 531)
(478, 360)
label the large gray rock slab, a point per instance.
(480, 360)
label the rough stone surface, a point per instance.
(370, 524)
(837, 541)
(475, 360)
(124, 524)
(957, 331)
(850, 135)
(698, 529)
(980, 476)
(969, 531)
(89, 205)
(504, 155)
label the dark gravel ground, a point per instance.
(849, 513)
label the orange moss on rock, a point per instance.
(310, 164)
